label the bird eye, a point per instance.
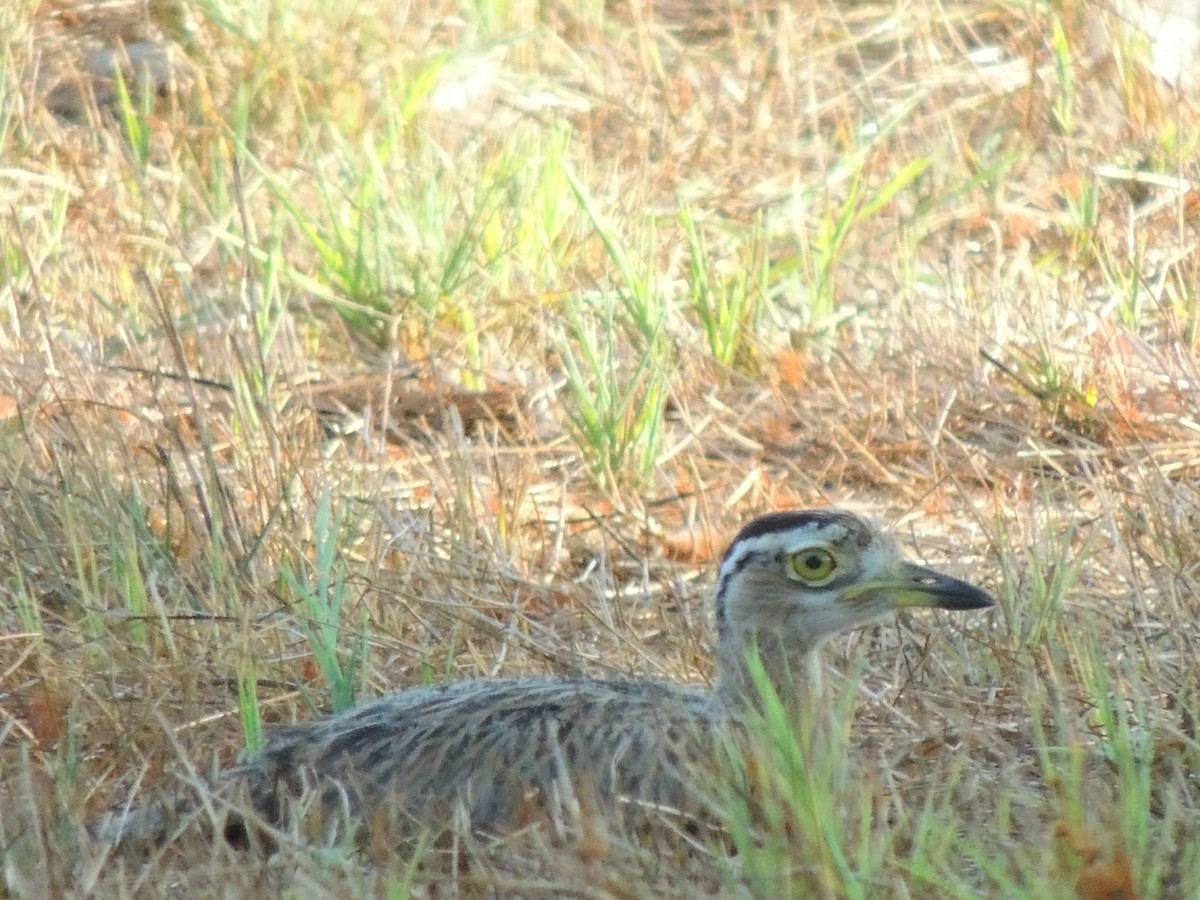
(813, 566)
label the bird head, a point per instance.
(792, 580)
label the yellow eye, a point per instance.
(813, 566)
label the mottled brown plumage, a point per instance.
(491, 754)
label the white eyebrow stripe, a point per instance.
(766, 545)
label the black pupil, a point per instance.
(814, 561)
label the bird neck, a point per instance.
(747, 667)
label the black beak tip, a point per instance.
(952, 593)
(975, 599)
(962, 595)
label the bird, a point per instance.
(492, 755)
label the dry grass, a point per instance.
(377, 344)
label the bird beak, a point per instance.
(910, 585)
(923, 587)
